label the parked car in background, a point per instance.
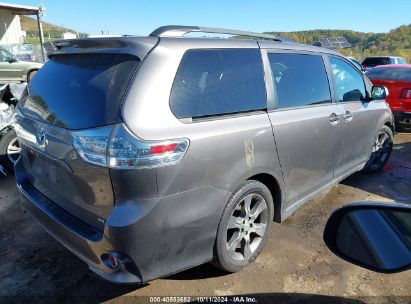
(14, 70)
(373, 61)
(397, 79)
(356, 63)
(146, 156)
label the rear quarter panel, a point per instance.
(222, 151)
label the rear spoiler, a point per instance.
(132, 45)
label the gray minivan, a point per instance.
(146, 156)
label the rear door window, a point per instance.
(218, 82)
(300, 79)
(78, 91)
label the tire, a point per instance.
(8, 145)
(232, 252)
(381, 151)
(31, 75)
(400, 127)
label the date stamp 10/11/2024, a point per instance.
(200, 299)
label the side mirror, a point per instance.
(379, 92)
(375, 236)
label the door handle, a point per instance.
(348, 116)
(334, 118)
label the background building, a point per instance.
(11, 35)
(10, 28)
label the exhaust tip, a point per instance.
(111, 260)
(114, 264)
(120, 264)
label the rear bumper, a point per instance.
(403, 118)
(87, 250)
(154, 237)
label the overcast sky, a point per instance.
(141, 17)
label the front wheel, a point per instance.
(381, 151)
(244, 226)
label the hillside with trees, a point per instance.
(51, 31)
(396, 42)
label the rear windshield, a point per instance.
(79, 91)
(374, 61)
(403, 74)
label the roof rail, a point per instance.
(180, 30)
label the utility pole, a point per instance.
(40, 16)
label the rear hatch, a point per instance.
(81, 87)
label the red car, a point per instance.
(397, 79)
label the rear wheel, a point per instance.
(9, 150)
(381, 151)
(244, 226)
(31, 75)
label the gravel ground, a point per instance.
(294, 267)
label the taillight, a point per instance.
(406, 94)
(118, 148)
(159, 149)
(92, 144)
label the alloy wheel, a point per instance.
(381, 150)
(246, 227)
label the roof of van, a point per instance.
(174, 34)
(140, 46)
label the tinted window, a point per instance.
(215, 82)
(403, 74)
(80, 91)
(300, 80)
(349, 84)
(374, 61)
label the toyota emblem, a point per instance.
(41, 139)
